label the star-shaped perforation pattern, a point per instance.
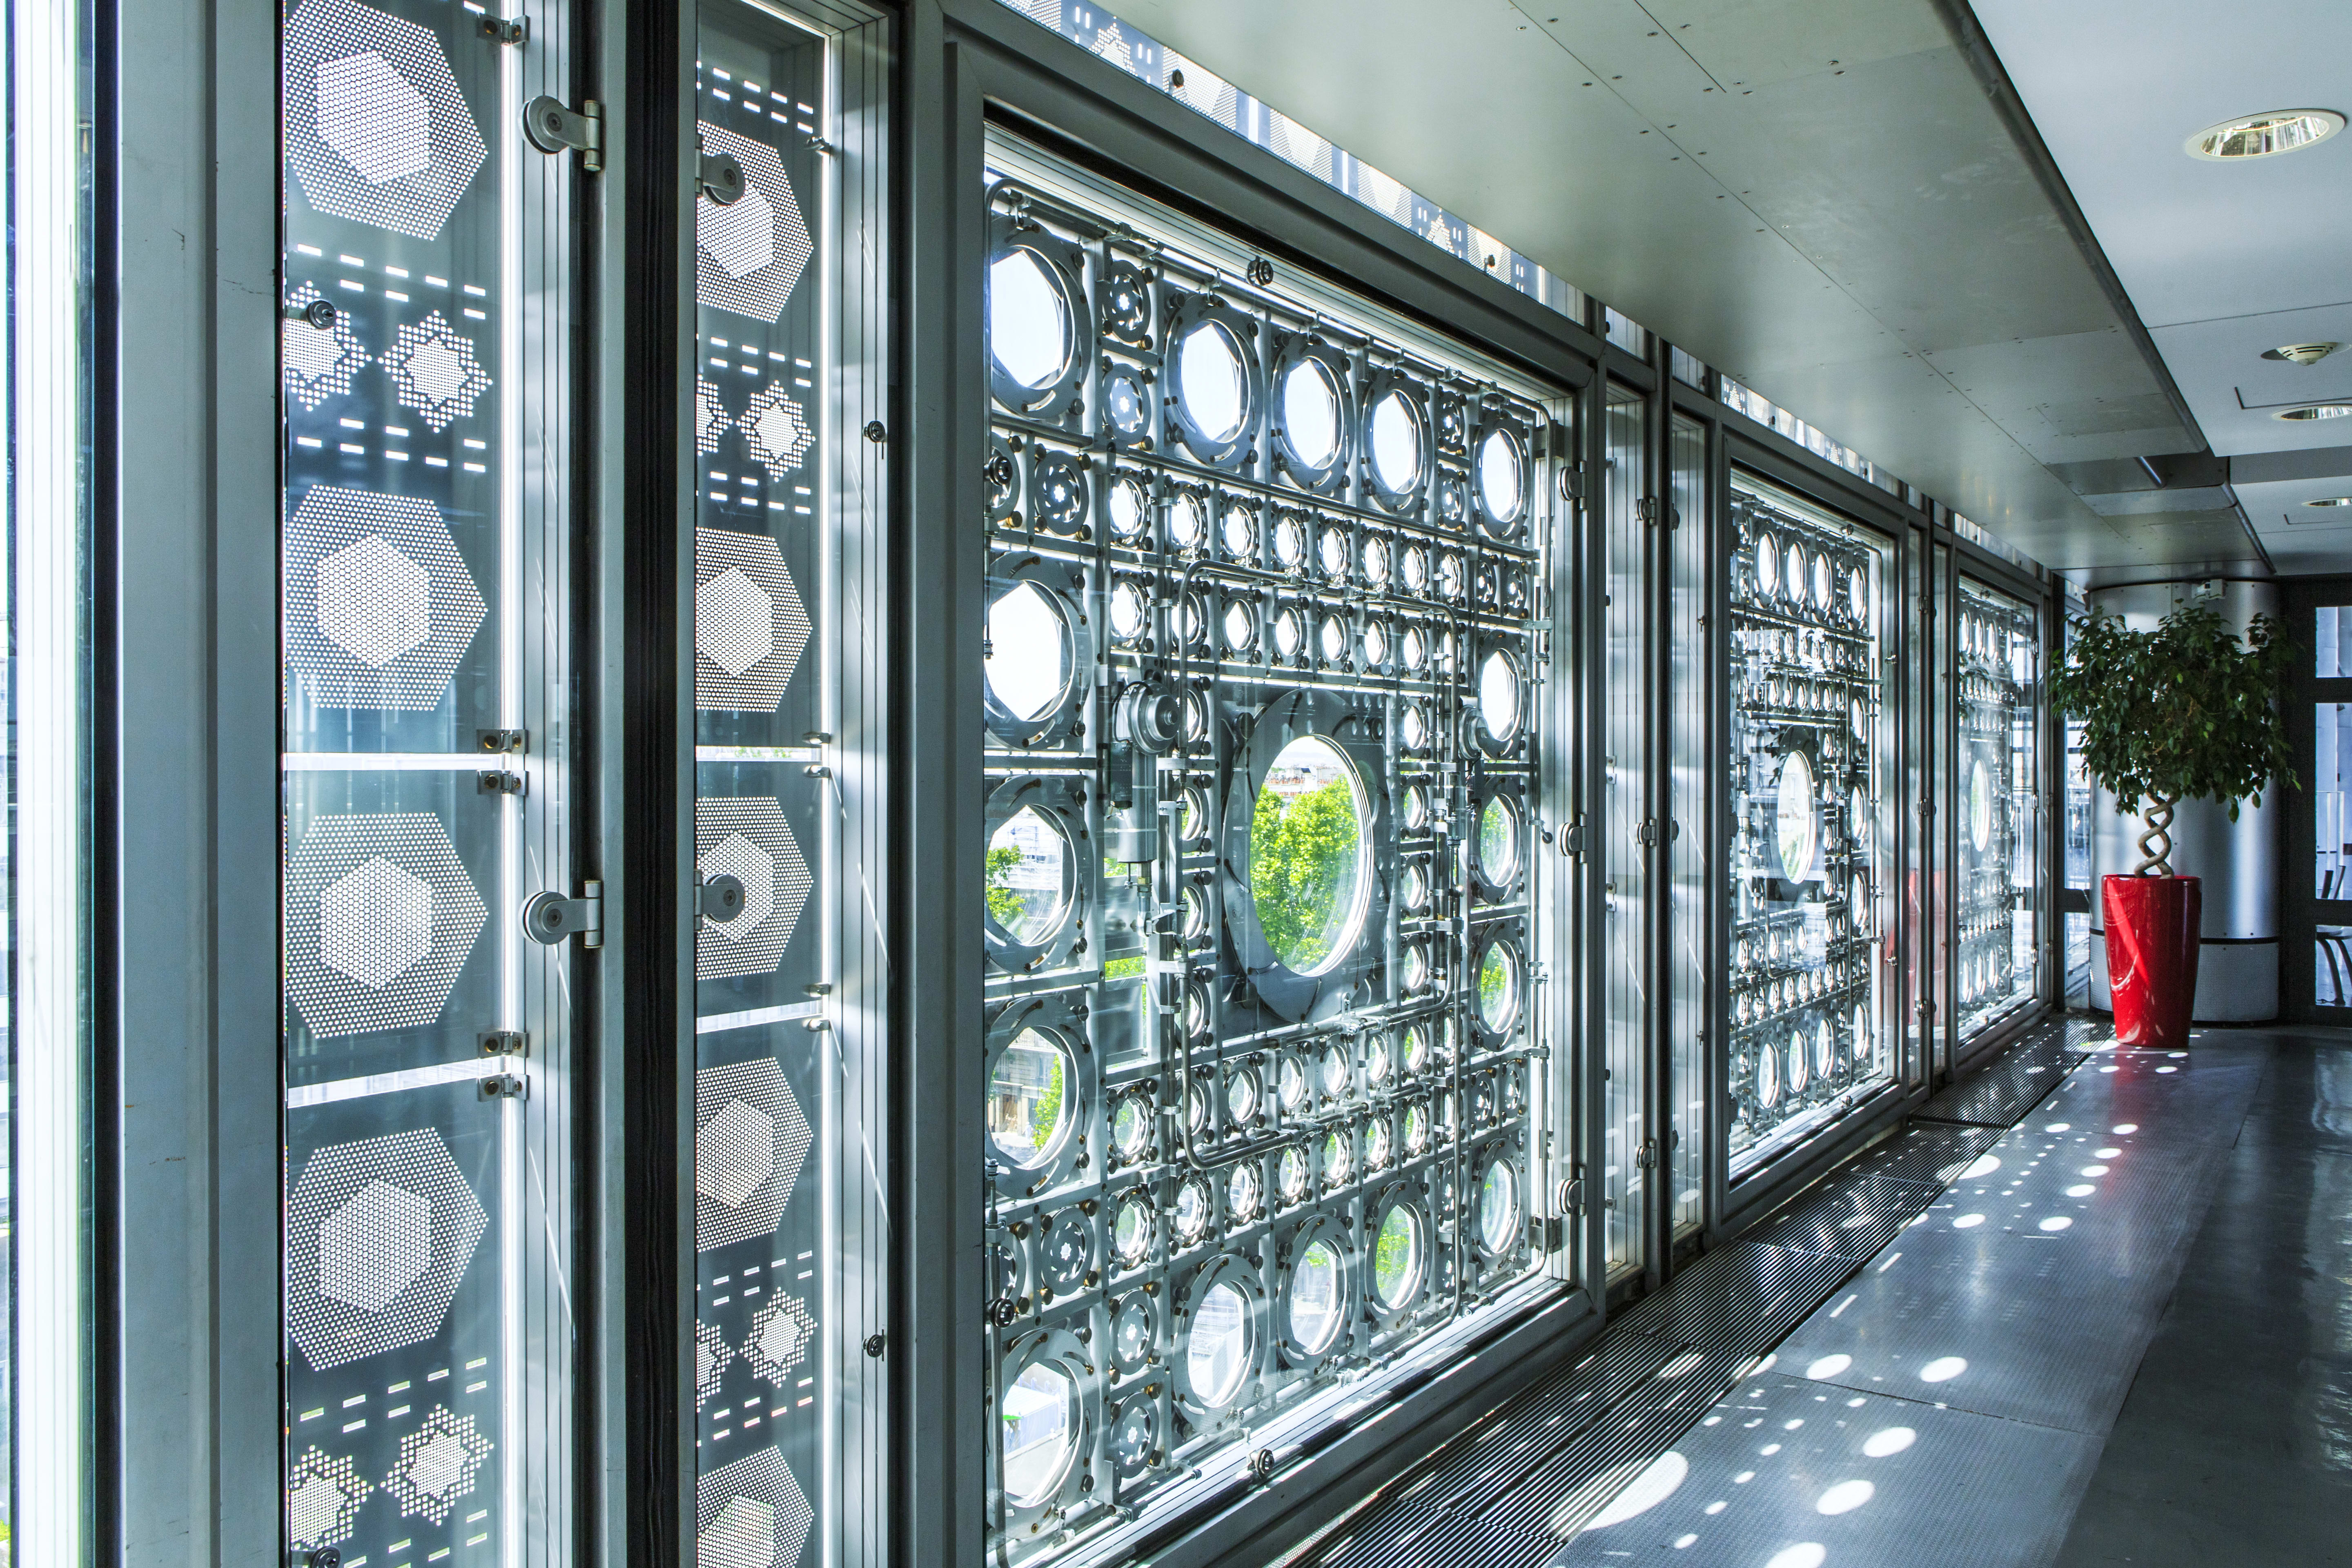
(434, 371)
(323, 1494)
(711, 1354)
(776, 428)
(318, 365)
(438, 1463)
(779, 1339)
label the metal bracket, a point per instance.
(1645, 1158)
(1571, 1196)
(1545, 1232)
(503, 1086)
(720, 177)
(552, 128)
(1571, 839)
(720, 897)
(493, 741)
(501, 782)
(504, 1041)
(506, 29)
(547, 919)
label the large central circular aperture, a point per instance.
(1310, 413)
(1040, 1433)
(1028, 328)
(1218, 1356)
(1308, 854)
(1396, 443)
(1028, 652)
(1210, 378)
(1314, 1309)
(1980, 805)
(1030, 872)
(1796, 827)
(1029, 1111)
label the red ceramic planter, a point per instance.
(2152, 957)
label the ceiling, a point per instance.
(1819, 197)
(2221, 261)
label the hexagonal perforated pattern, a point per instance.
(378, 1233)
(438, 1466)
(751, 1514)
(748, 253)
(376, 130)
(747, 837)
(750, 1137)
(379, 917)
(379, 607)
(750, 630)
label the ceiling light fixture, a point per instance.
(2263, 135)
(2301, 354)
(2315, 411)
(2330, 500)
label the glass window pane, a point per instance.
(1689, 966)
(2332, 967)
(1324, 812)
(1812, 820)
(1626, 773)
(2331, 777)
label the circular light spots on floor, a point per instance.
(2081, 1190)
(1829, 1367)
(1943, 1369)
(1968, 1222)
(2095, 1170)
(1769, 1450)
(2123, 1128)
(1985, 1166)
(1804, 1555)
(2109, 1068)
(1743, 1478)
(1846, 1497)
(1715, 1507)
(2056, 1222)
(1646, 1491)
(1889, 1441)
(2109, 1153)
(2167, 1069)
(2060, 1127)
(1683, 1541)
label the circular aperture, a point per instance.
(1240, 532)
(1125, 611)
(1289, 540)
(1041, 1434)
(1132, 1435)
(1315, 1314)
(1796, 827)
(1857, 596)
(1131, 1236)
(1768, 1077)
(1291, 1084)
(1130, 1127)
(1499, 986)
(1029, 1111)
(1824, 1048)
(1498, 697)
(2266, 135)
(1309, 880)
(1290, 1175)
(1498, 1206)
(1217, 1357)
(1029, 654)
(1498, 841)
(1338, 1160)
(1241, 1095)
(1192, 1206)
(1793, 572)
(1980, 805)
(1417, 1128)
(1030, 873)
(1821, 593)
(1212, 381)
(1188, 521)
(1768, 566)
(1502, 476)
(1028, 321)
(1334, 551)
(1397, 438)
(1397, 1258)
(1376, 643)
(1310, 415)
(1241, 1190)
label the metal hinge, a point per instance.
(552, 128)
(1646, 509)
(721, 899)
(1571, 839)
(1645, 1158)
(493, 741)
(503, 1086)
(720, 177)
(506, 29)
(1569, 1198)
(1545, 1232)
(1571, 481)
(499, 782)
(504, 1041)
(547, 919)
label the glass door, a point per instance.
(428, 730)
(1996, 871)
(1629, 1148)
(791, 999)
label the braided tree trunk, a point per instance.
(2156, 844)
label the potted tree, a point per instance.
(2187, 711)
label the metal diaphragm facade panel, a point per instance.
(1997, 813)
(426, 1047)
(1267, 1085)
(1811, 788)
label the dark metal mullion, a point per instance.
(1657, 958)
(1716, 811)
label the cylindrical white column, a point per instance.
(2238, 961)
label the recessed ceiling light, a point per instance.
(2301, 354)
(2331, 500)
(2260, 135)
(2316, 411)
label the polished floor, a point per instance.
(2122, 1335)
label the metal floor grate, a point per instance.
(1515, 1490)
(2010, 1084)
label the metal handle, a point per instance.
(549, 917)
